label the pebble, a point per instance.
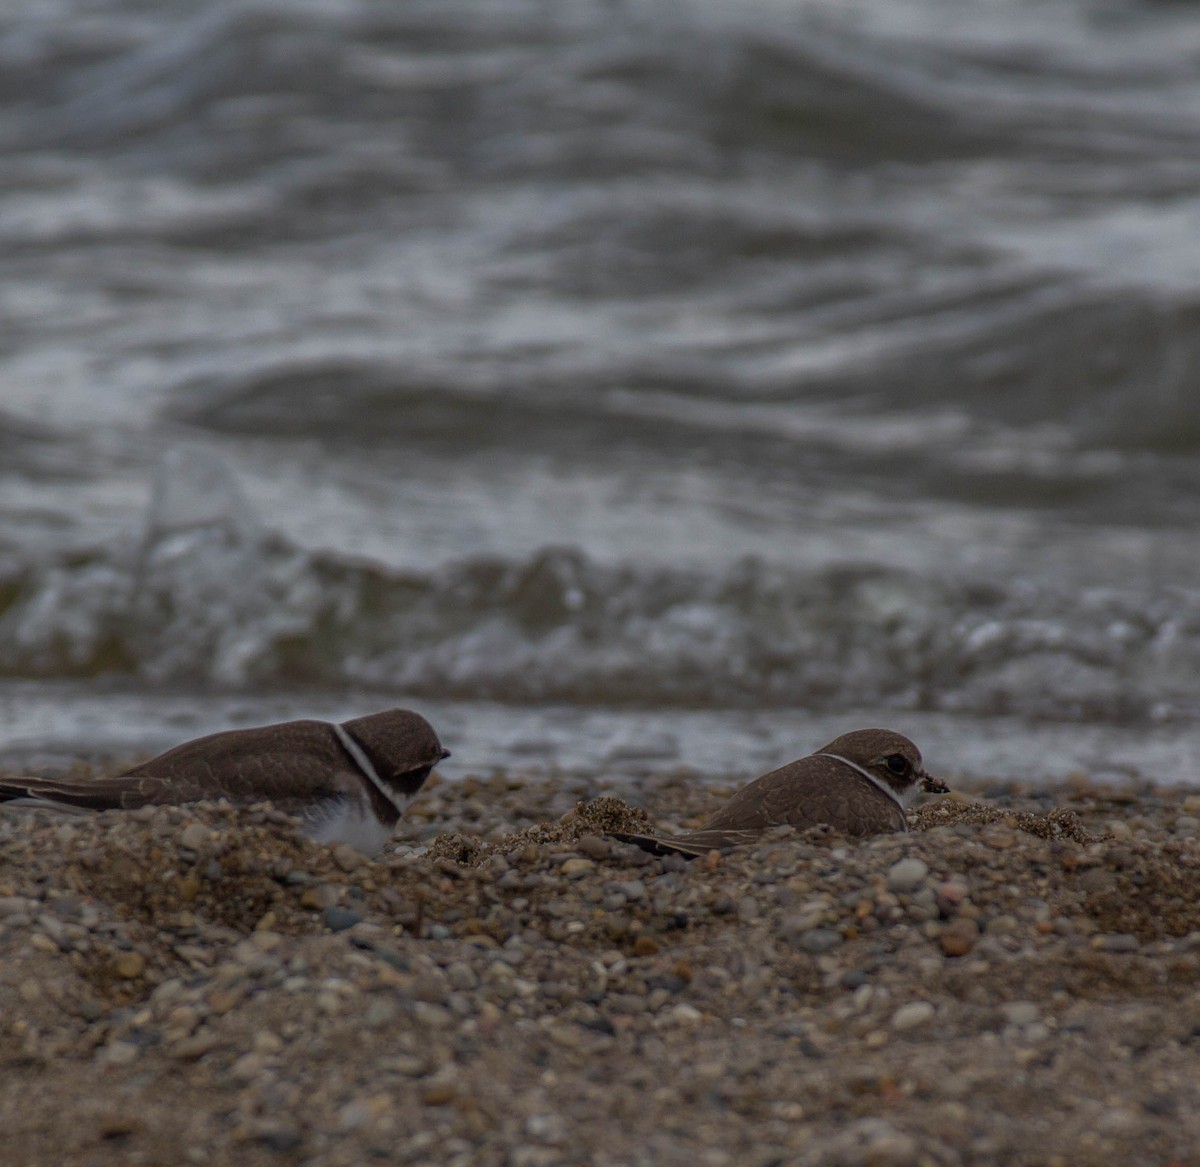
(959, 936)
(593, 846)
(347, 858)
(704, 995)
(819, 940)
(950, 895)
(338, 919)
(907, 874)
(194, 836)
(461, 976)
(1020, 1012)
(190, 1049)
(681, 1014)
(130, 965)
(912, 1015)
(247, 1067)
(438, 1093)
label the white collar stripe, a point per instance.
(872, 779)
(364, 764)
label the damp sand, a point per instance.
(1016, 981)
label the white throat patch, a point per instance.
(901, 800)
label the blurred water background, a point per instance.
(624, 383)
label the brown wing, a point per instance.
(290, 763)
(296, 759)
(807, 792)
(802, 794)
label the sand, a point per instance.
(1016, 981)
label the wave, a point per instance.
(205, 596)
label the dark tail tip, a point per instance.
(653, 845)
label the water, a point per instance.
(632, 385)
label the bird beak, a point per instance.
(932, 785)
(445, 755)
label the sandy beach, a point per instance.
(1016, 981)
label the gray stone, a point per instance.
(338, 919)
(907, 874)
(819, 940)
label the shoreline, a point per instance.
(1017, 980)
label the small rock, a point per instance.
(681, 1014)
(438, 1093)
(998, 837)
(221, 1001)
(959, 936)
(1115, 942)
(461, 976)
(907, 874)
(818, 940)
(593, 846)
(119, 1053)
(338, 919)
(1003, 925)
(247, 1067)
(912, 1015)
(1020, 1012)
(347, 858)
(194, 836)
(279, 1137)
(317, 898)
(575, 867)
(130, 965)
(950, 896)
(191, 1049)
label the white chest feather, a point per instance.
(347, 821)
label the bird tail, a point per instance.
(690, 846)
(99, 794)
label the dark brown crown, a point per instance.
(400, 744)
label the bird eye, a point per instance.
(897, 763)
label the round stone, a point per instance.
(907, 874)
(959, 936)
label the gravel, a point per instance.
(1002, 985)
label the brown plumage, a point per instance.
(315, 769)
(858, 784)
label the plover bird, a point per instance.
(348, 783)
(859, 784)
